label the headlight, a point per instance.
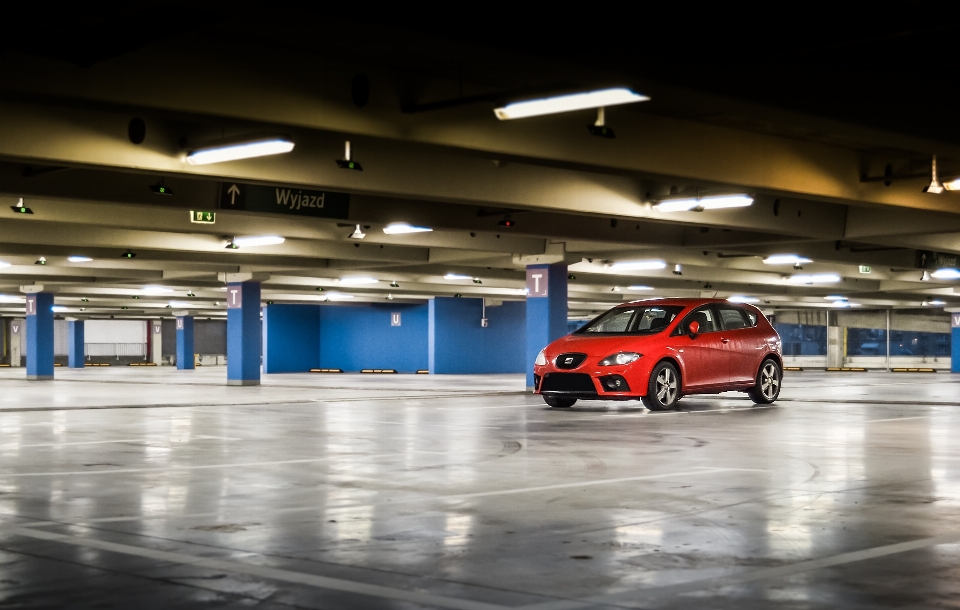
(541, 359)
(621, 358)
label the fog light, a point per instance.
(614, 383)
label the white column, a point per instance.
(156, 338)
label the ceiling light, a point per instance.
(640, 288)
(6, 298)
(936, 303)
(79, 259)
(934, 186)
(814, 278)
(399, 228)
(262, 240)
(356, 281)
(357, 234)
(786, 259)
(568, 103)
(58, 308)
(743, 299)
(947, 273)
(239, 150)
(835, 297)
(704, 203)
(336, 296)
(953, 185)
(638, 265)
(457, 276)
(180, 304)
(4, 264)
(394, 284)
(156, 290)
(41, 261)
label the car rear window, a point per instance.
(641, 319)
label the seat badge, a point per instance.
(568, 361)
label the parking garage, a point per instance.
(270, 313)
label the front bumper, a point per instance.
(607, 383)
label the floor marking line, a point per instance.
(323, 582)
(504, 492)
(639, 596)
(874, 421)
(204, 467)
(129, 440)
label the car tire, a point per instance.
(559, 403)
(767, 388)
(663, 389)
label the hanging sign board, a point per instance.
(235, 296)
(288, 200)
(927, 259)
(31, 304)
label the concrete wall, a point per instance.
(459, 345)
(355, 337)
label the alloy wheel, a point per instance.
(770, 381)
(666, 386)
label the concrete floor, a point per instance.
(408, 492)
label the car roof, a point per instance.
(683, 301)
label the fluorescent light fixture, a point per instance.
(640, 288)
(58, 308)
(835, 297)
(79, 259)
(704, 203)
(356, 281)
(156, 290)
(4, 264)
(814, 278)
(786, 259)
(239, 150)
(181, 304)
(743, 299)
(336, 296)
(947, 273)
(568, 103)
(399, 228)
(936, 303)
(638, 265)
(953, 185)
(457, 276)
(6, 298)
(262, 240)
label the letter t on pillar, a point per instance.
(244, 334)
(546, 309)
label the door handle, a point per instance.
(725, 340)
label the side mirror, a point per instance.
(693, 328)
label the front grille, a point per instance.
(569, 361)
(567, 382)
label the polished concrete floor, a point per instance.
(154, 488)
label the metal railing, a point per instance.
(115, 349)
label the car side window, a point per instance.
(732, 317)
(704, 315)
(616, 323)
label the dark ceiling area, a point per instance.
(889, 65)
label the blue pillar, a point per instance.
(243, 333)
(75, 344)
(955, 342)
(546, 309)
(40, 336)
(185, 343)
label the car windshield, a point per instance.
(640, 319)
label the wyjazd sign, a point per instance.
(927, 259)
(283, 200)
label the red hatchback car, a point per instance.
(660, 350)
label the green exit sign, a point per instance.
(865, 269)
(203, 218)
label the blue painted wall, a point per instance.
(291, 338)
(185, 343)
(459, 345)
(955, 350)
(575, 325)
(355, 337)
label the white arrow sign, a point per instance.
(233, 191)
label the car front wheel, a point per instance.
(767, 388)
(663, 389)
(559, 403)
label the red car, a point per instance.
(660, 350)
